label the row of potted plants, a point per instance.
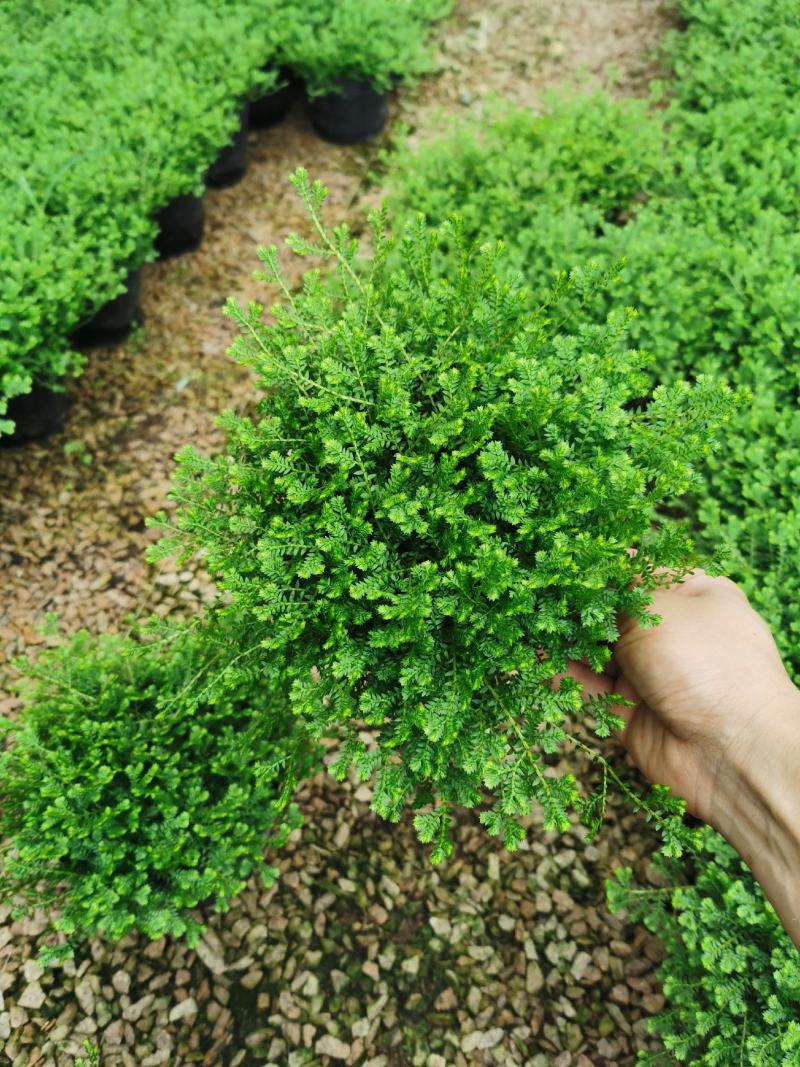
(118, 175)
(351, 113)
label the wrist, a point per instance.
(758, 805)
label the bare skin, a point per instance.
(716, 717)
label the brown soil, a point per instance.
(72, 513)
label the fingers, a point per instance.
(592, 683)
(612, 668)
(695, 584)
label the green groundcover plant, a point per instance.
(553, 184)
(731, 975)
(434, 511)
(368, 40)
(704, 212)
(144, 779)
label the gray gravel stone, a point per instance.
(32, 970)
(183, 1010)
(155, 1059)
(212, 959)
(333, 1047)
(440, 926)
(482, 1039)
(135, 1011)
(580, 965)
(84, 994)
(33, 996)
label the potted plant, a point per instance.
(143, 778)
(351, 54)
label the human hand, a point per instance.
(704, 684)
(714, 715)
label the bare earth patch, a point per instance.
(363, 954)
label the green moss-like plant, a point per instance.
(731, 975)
(712, 244)
(700, 199)
(142, 780)
(434, 512)
(553, 184)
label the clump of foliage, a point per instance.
(142, 780)
(731, 975)
(553, 183)
(434, 513)
(367, 40)
(109, 109)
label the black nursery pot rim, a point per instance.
(274, 105)
(181, 223)
(230, 165)
(37, 414)
(114, 320)
(340, 86)
(352, 113)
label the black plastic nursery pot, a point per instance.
(115, 319)
(273, 107)
(231, 163)
(354, 113)
(180, 226)
(37, 414)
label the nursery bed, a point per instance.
(72, 513)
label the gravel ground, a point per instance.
(362, 953)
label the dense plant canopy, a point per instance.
(550, 184)
(731, 975)
(434, 513)
(79, 182)
(703, 210)
(144, 779)
(111, 109)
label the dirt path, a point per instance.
(72, 513)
